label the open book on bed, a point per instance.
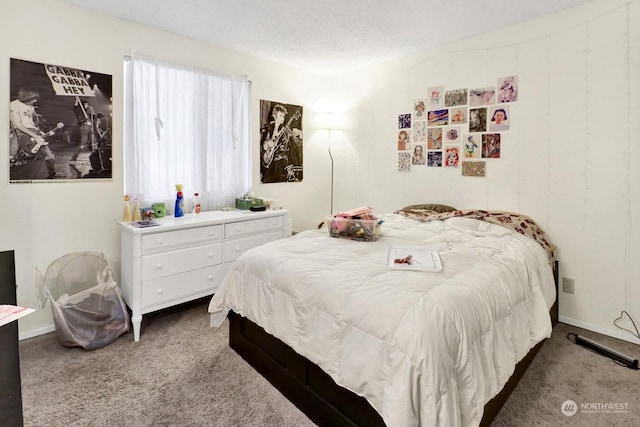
(414, 258)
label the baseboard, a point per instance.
(36, 332)
(614, 333)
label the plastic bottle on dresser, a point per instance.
(137, 216)
(126, 216)
(196, 208)
(179, 210)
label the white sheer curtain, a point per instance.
(185, 126)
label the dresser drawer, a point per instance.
(157, 241)
(178, 286)
(232, 249)
(240, 228)
(172, 262)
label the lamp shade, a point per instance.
(332, 121)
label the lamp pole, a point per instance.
(331, 156)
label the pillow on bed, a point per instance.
(434, 207)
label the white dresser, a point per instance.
(186, 258)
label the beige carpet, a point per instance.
(182, 373)
(565, 371)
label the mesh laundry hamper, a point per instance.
(86, 303)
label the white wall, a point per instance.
(570, 160)
(43, 221)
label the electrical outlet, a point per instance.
(568, 285)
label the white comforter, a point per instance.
(423, 348)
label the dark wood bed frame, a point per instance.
(316, 394)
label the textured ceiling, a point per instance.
(327, 35)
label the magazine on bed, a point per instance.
(414, 258)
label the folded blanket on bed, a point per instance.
(517, 222)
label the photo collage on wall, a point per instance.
(456, 128)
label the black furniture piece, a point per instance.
(10, 388)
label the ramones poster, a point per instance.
(60, 123)
(280, 142)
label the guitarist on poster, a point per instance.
(281, 146)
(29, 137)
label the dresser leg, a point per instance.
(136, 321)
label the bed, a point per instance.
(352, 342)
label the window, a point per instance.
(185, 126)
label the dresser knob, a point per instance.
(238, 229)
(210, 255)
(210, 277)
(158, 265)
(237, 249)
(159, 241)
(211, 233)
(159, 291)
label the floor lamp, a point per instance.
(332, 121)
